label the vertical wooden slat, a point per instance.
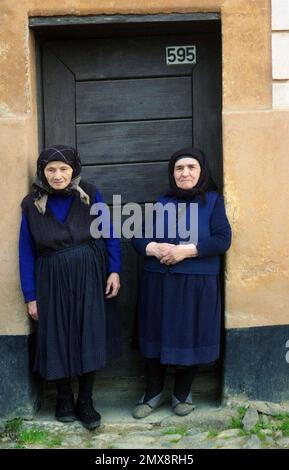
(207, 83)
(59, 101)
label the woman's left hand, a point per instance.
(177, 253)
(112, 285)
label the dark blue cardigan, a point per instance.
(27, 253)
(214, 238)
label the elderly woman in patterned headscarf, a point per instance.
(69, 282)
(180, 307)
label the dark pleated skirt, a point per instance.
(180, 318)
(78, 329)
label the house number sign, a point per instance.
(180, 55)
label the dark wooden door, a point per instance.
(127, 111)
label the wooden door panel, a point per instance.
(128, 364)
(124, 142)
(119, 100)
(58, 101)
(104, 58)
(207, 104)
(135, 182)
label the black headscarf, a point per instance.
(205, 183)
(60, 153)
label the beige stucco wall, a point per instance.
(256, 158)
(255, 145)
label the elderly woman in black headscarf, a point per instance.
(69, 281)
(180, 306)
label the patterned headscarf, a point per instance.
(62, 153)
(205, 182)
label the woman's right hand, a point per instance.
(157, 249)
(32, 309)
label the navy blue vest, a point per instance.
(49, 233)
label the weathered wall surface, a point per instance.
(255, 149)
(256, 162)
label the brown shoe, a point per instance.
(183, 408)
(144, 409)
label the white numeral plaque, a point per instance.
(180, 55)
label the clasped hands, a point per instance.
(168, 253)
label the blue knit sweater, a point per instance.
(214, 238)
(27, 253)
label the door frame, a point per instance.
(40, 22)
(79, 27)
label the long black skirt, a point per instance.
(180, 318)
(78, 329)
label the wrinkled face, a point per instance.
(58, 174)
(187, 172)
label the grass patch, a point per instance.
(212, 432)
(55, 441)
(30, 436)
(257, 428)
(35, 435)
(182, 430)
(236, 423)
(242, 411)
(261, 436)
(282, 424)
(110, 446)
(12, 427)
(175, 441)
(18, 446)
(243, 433)
(88, 445)
(277, 423)
(268, 426)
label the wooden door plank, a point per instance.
(58, 101)
(106, 58)
(207, 104)
(128, 363)
(134, 182)
(133, 99)
(136, 141)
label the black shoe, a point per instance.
(65, 409)
(88, 416)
